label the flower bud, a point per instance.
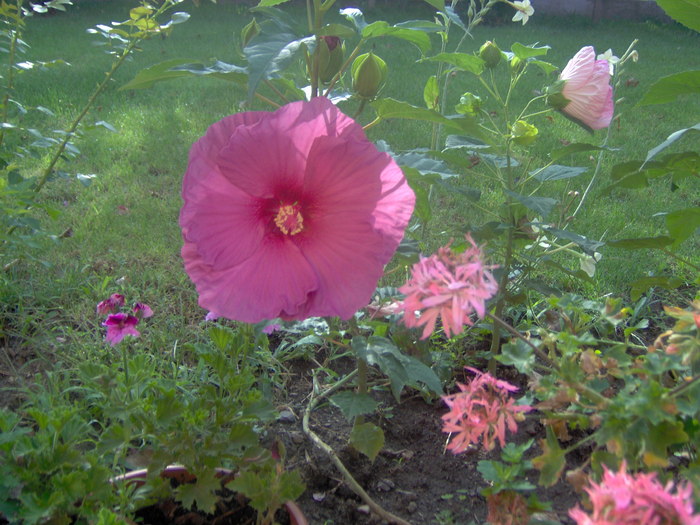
(369, 73)
(490, 54)
(469, 104)
(331, 57)
(523, 133)
(555, 97)
(249, 32)
(516, 65)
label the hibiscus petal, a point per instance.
(274, 282)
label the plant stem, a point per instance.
(347, 476)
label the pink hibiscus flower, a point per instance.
(119, 326)
(448, 285)
(115, 301)
(631, 499)
(587, 89)
(142, 310)
(482, 410)
(290, 214)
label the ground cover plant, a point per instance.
(305, 328)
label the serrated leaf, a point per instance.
(642, 285)
(455, 18)
(368, 439)
(687, 12)
(425, 165)
(462, 61)
(552, 461)
(542, 206)
(642, 243)
(557, 172)
(669, 88)
(353, 404)
(544, 66)
(201, 492)
(518, 354)
(180, 68)
(524, 52)
(576, 147)
(587, 245)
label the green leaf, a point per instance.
(85, 179)
(576, 147)
(587, 245)
(271, 3)
(180, 68)
(641, 243)
(669, 88)
(462, 61)
(673, 137)
(524, 52)
(387, 108)
(687, 12)
(659, 439)
(641, 286)
(431, 93)
(270, 53)
(355, 16)
(681, 224)
(454, 18)
(425, 165)
(201, 492)
(544, 66)
(106, 125)
(381, 28)
(557, 172)
(552, 461)
(540, 205)
(437, 4)
(518, 354)
(339, 30)
(368, 439)
(353, 404)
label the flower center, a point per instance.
(289, 219)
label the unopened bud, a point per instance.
(469, 104)
(523, 133)
(516, 66)
(331, 57)
(249, 32)
(490, 54)
(369, 73)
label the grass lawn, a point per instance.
(123, 228)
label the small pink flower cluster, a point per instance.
(121, 324)
(448, 285)
(630, 499)
(482, 410)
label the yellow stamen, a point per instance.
(289, 219)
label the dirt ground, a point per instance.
(414, 476)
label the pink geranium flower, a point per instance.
(115, 301)
(632, 499)
(142, 310)
(481, 411)
(448, 285)
(290, 214)
(587, 89)
(119, 326)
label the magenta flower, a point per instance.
(482, 410)
(587, 89)
(115, 301)
(142, 310)
(290, 214)
(119, 326)
(630, 499)
(448, 285)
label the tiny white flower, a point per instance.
(612, 59)
(524, 10)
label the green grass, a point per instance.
(124, 226)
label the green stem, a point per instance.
(11, 70)
(347, 476)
